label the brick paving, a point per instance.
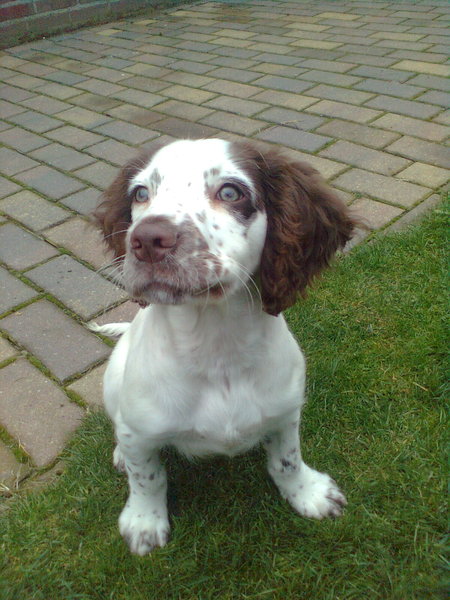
(359, 89)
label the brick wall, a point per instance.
(24, 20)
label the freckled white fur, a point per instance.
(207, 377)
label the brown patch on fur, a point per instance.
(113, 214)
(307, 223)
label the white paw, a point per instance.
(143, 531)
(118, 460)
(317, 496)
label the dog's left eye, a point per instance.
(141, 194)
(229, 193)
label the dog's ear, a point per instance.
(307, 223)
(113, 213)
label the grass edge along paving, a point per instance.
(372, 330)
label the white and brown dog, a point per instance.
(215, 238)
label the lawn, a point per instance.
(373, 333)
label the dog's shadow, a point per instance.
(220, 483)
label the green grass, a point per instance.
(372, 330)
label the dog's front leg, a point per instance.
(312, 494)
(143, 522)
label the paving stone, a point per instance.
(124, 313)
(284, 84)
(65, 77)
(230, 88)
(13, 94)
(404, 107)
(415, 127)
(400, 90)
(239, 75)
(179, 128)
(43, 104)
(14, 292)
(126, 132)
(231, 122)
(380, 73)
(367, 158)
(343, 111)
(227, 61)
(187, 79)
(62, 157)
(427, 175)
(7, 350)
(90, 387)
(330, 78)
(342, 95)
(368, 59)
(99, 174)
(95, 102)
(327, 65)
(423, 67)
(12, 162)
(81, 117)
(113, 151)
(32, 210)
(315, 44)
(82, 290)
(443, 118)
(8, 110)
(418, 212)
(300, 140)
(426, 152)
(32, 249)
(76, 137)
(184, 110)
(83, 202)
(141, 99)
(285, 99)
(81, 238)
(49, 182)
(35, 121)
(187, 94)
(363, 134)
(434, 97)
(133, 114)
(56, 90)
(431, 81)
(22, 140)
(24, 390)
(8, 187)
(146, 84)
(24, 81)
(378, 186)
(375, 214)
(290, 118)
(97, 86)
(432, 57)
(12, 472)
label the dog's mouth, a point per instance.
(158, 292)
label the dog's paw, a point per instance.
(317, 496)
(118, 460)
(143, 531)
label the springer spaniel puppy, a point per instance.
(215, 239)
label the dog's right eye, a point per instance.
(141, 194)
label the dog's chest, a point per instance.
(218, 391)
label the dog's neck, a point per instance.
(213, 334)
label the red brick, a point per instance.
(17, 11)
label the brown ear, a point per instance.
(307, 223)
(113, 214)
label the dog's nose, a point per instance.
(153, 239)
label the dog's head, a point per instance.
(199, 220)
